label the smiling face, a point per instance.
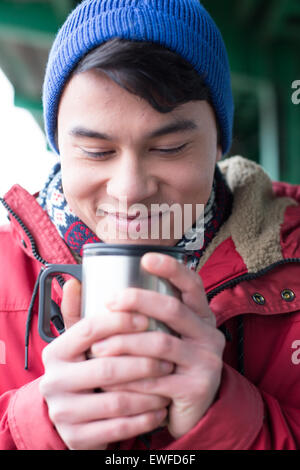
(121, 158)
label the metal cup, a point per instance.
(106, 270)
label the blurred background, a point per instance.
(263, 43)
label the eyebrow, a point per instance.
(83, 132)
(174, 127)
(182, 125)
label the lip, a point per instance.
(124, 222)
(120, 216)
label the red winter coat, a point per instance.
(251, 273)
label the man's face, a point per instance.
(122, 159)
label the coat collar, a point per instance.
(254, 236)
(33, 229)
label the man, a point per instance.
(138, 105)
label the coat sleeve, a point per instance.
(24, 421)
(242, 418)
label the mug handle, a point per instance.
(46, 278)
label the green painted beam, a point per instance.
(33, 106)
(22, 101)
(31, 22)
(286, 70)
(282, 21)
(247, 54)
(63, 7)
(246, 9)
(262, 95)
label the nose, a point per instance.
(132, 180)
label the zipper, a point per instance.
(56, 316)
(35, 252)
(27, 232)
(248, 277)
(240, 320)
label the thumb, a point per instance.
(71, 302)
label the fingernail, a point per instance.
(154, 260)
(140, 322)
(161, 414)
(166, 366)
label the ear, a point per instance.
(219, 153)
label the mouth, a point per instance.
(137, 216)
(119, 215)
(138, 223)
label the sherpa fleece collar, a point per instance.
(257, 215)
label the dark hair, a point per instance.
(161, 77)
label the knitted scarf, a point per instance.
(76, 234)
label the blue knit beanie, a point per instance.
(183, 26)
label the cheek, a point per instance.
(77, 191)
(70, 180)
(195, 184)
(78, 179)
(73, 190)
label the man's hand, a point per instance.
(196, 354)
(85, 419)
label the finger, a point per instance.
(181, 383)
(102, 372)
(166, 386)
(71, 302)
(157, 345)
(78, 339)
(184, 279)
(96, 433)
(169, 310)
(82, 408)
(186, 354)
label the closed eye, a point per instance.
(170, 150)
(98, 154)
(103, 155)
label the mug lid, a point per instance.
(92, 249)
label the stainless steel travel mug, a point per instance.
(105, 270)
